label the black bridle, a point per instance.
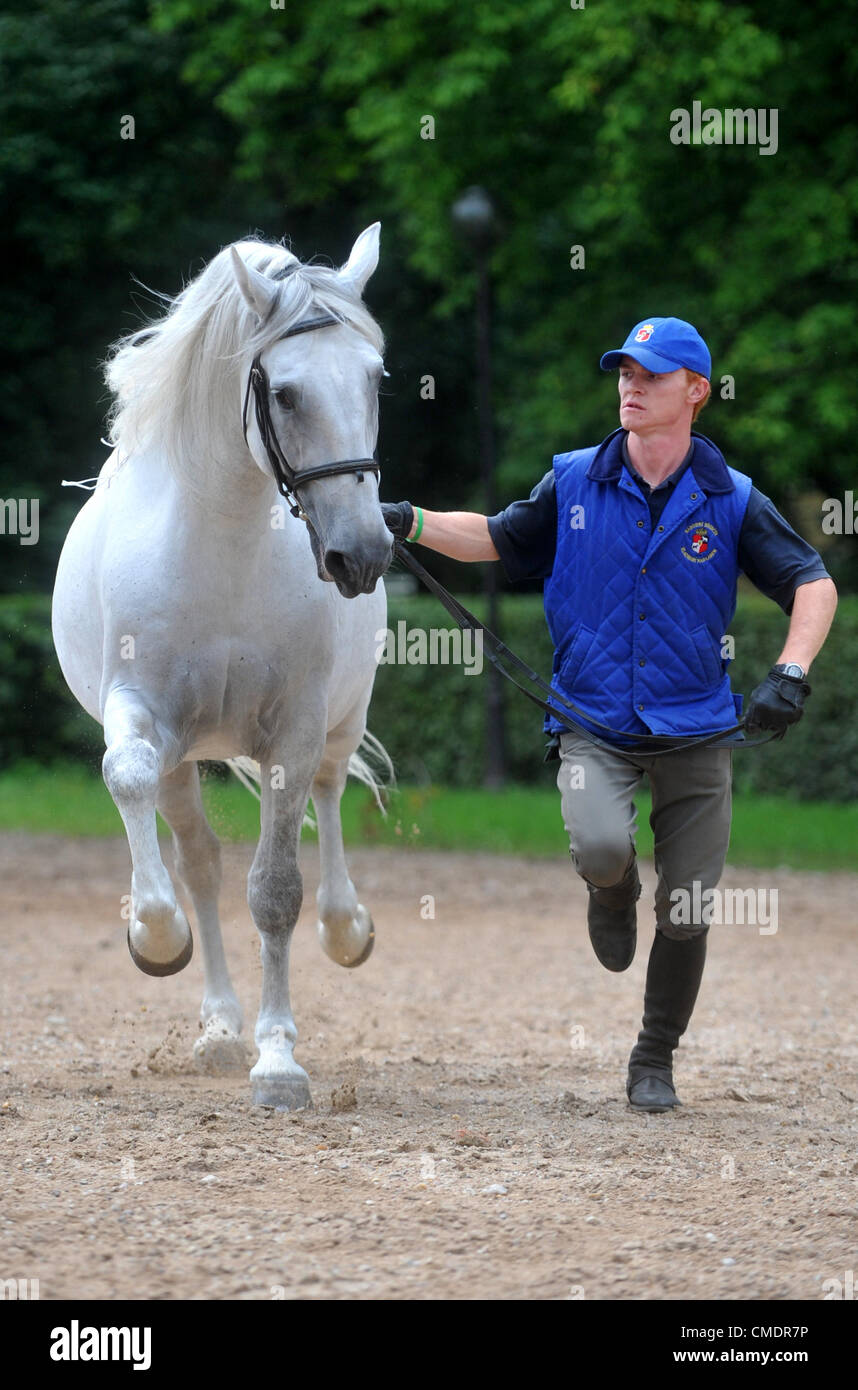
(286, 478)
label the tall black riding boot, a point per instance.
(673, 978)
(612, 918)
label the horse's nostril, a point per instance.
(336, 564)
(358, 570)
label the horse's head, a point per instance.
(312, 408)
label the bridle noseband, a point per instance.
(284, 474)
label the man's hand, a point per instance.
(398, 518)
(776, 703)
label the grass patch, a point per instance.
(767, 831)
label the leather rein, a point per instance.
(288, 481)
(649, 745)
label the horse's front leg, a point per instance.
(159, 937)
(274, 894)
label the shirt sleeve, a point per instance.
(525, 533)
(773, 555)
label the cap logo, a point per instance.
(644, 333)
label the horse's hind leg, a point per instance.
(345, 927)
(159, 937)
(197, 855)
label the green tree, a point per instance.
(86, 211)
(564, 115)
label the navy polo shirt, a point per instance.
(771, 553)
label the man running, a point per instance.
(640, 541)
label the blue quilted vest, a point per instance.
(637, 616)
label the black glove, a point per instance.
(552, 749)
(776, 703)
(398, 518)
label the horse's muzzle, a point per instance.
(356, 572)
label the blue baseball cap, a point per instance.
(663, 345)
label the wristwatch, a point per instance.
(791, 668)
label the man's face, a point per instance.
(651, 401)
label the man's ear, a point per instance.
(698, 388)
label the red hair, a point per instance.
(690, 377)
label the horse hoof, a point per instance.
(219, 1051)
(157, 967)
(288, 1093)
(352, 946)
(365, 953)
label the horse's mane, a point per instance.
(174, 380)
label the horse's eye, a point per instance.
(284, 399)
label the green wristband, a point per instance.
(412, 540)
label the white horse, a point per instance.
(190, 620)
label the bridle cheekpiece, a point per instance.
(284, 474)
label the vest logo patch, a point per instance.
(644, 333)
(700, 542)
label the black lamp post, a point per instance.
(474, 217)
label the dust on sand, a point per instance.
(471, 1137)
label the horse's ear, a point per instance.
(363, 259)
(258, 291)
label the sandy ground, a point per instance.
(470, 1138)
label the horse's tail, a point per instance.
(381, 777)
(375, 771)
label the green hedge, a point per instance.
(430, 717)
(39, 718)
